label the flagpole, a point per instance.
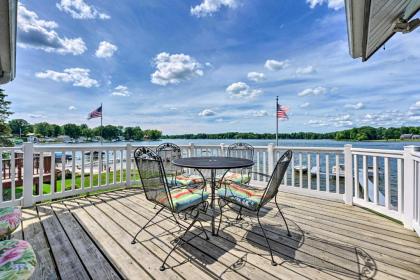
(277, 121)
(102, 113)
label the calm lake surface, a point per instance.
(391, 145)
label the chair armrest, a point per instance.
(259, 173)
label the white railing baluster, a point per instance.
(308, 172)
(73, 170)
(63, 171)
(327, 173)
(13, 174)
(400, 182)
(41, 175)
(300, 170)
(375, 180)
(100, 168)
(318, 177)
(387, 184)
(293, 171)
(365, 179)
(337, 175)
(107, 168)
(91, 169)
(356, 176)
(82, 170)
(53, 176)
(121, 166)
(114, 164)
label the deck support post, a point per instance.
(348, 175)
(270, 157)
(28, 176)
(128, 165)
(408, 194)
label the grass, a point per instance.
(46, 188)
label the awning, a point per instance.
(370, 23)
(8, 13)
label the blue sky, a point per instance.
(188, 66)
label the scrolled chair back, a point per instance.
(152, 176)
(276, 177)
(241, 150)
(168, 152)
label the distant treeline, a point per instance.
(20, 127)
(358, 134)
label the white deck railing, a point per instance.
(386, 181)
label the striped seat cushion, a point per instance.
(237, 178)
(187, 180)
(247, 197)
(183, 198)
(17, 260)
(10, 218)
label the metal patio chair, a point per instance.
(156, 188)
(176, 176)
(253, 198)
(240, 150)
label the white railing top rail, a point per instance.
(378, 152)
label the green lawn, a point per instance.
(46, 188)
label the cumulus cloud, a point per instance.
(79, 77)
(305, 105)
(258, 114)
(105, 49)
(207, 113)
(313, 91)
(332, 4)
(305, 70)
(121, 91)
(275, 65)
(357, 106)
(41, 34)
(175, 68)
(242, 90)
(317, 123)
(72, 108)
(414, 112)
(209, 7)
(256, 76)
(79, 9)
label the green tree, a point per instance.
(138, 134)
(110, 132)
(43, 129)
(56, 130)
(19, 127)
(72, 130)
(4, 114)
(154, 134)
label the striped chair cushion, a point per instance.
(17, 260)
(247, 197)
(183, 198)
(237, 178)
(187, 180)
(10, 218)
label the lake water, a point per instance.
(391, 145)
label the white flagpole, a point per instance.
(277, 121)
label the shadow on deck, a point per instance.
(90, 238)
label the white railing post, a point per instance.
(270, 157)
(191, 150)
(28, 176)
(128, 165)
(408, 187)
(348, 175)
(222, 149)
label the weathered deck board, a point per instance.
(90, 238)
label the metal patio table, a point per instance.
(213, 164)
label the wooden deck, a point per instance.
(89, 238)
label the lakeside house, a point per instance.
(409, 136)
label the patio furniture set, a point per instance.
(179, 185)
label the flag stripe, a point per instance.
(97, 113)
(282, 112)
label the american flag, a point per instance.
(282, 112)
(95, 113)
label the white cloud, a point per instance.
(256, 76)
(332, 4)
(414, 111)
(357, 106)
(72, 108)
(79, 77)
(105, 49)
(305, 70)
(242, 90)
(305, 105)
(258, 114)
(79, 9)
(207, 113)
(41, 34)
(175, 68)
(317, 123)
(36, 116)
(313, 91)
(121, 91)
(208, 7)
(275, 65)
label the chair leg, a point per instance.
(221, 215)
(180, 239)
(148, 222)
(273, 263)
(205, 233)
(284, 219)
(239, 217)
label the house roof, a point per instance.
(370, 23)
(8, 13)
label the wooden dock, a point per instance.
(90, 238)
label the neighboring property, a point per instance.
(409, 136)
